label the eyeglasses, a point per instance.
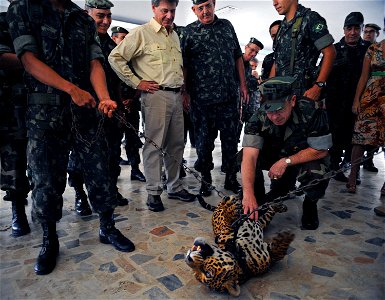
(256, 51)
(368, 31)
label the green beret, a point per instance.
(99, 4)
(374, 26)
(197, 2)
(254, 41)
(275, 92)
(118, 29)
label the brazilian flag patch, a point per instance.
(318, 27)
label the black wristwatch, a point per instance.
(321, 84)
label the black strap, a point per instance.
(294, 35)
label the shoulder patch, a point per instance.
(318, 27)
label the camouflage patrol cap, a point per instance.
(354, 18)
(197, 2)
(119, 29)
(254, 41)
(99, 4)
(374, 26)
(275, 91)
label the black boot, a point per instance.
(108, 234)
(121, 200)
(231, 183)
(82, 207)
(309, 214)
(20, 224)
(46, 261)
(205, 189)
(136, 174)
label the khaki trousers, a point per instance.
(163, 123)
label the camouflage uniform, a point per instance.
(267, 64)
(341, 88)
(306, 127)
(209, 55)
(13, 133)
(254, 93)
(133, 142)
(52, 118)
(113, 130)
(312, 38)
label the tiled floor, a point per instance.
(343, 259)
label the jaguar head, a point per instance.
(215, 268)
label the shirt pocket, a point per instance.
(50, 39)
(157, 54)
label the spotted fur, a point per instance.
(241, 252)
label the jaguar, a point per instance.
(241, 252)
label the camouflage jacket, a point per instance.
(7, 77)
(251, 81)
(66, 42)
(343, 79)
(306, 127)
(113, 81)
(312, 38)
(267, 64)
(209, 55)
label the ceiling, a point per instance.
(251, 17)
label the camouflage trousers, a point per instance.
(207, 120)
(133, 142)
(113, 135)
(304, 173)
(13, 146)
(50, 138)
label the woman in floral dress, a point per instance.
(369, 106)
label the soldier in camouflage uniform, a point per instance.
(131, 100)
(100, 11)
(289, 139)
(341, 89)
(268, 61)
(212, 60)
(251, 50)
(61, 114)
(308, 31)
(13, 134)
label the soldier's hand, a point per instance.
(81, 97)
(313, 93)
(356, 106)
(277, 169)
(128, 104)
(186, 101)
(148, 86)
(244, 94)
(250, 204)
(107, 106)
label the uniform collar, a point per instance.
(157, 27)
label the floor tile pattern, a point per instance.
(343, 259)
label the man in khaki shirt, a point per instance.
(154, 53)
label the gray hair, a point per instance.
(157, 2)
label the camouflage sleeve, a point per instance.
(95, 48)
(5, 49)
(20, 28)
(184, 47)
(318, 136)
(318, 31)
(251, 138)
(238, 50)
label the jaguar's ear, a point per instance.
(233, 288)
